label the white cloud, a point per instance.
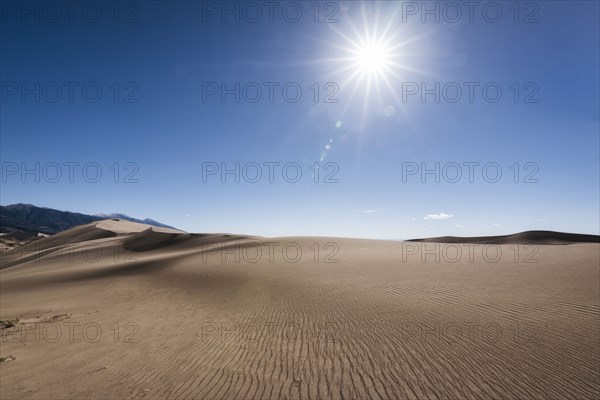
(460, 226)
(496, 224)
(368, 211)
(438, 216)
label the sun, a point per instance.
(373, 58)
(372, 53)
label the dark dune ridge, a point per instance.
(527, 237)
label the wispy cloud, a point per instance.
(370, 211)
(438, 216)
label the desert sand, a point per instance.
(121, 310)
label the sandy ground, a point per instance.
(117, 310)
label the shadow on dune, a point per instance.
(149, 240)
(169, 251)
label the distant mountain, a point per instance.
(30, 219)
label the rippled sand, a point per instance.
(117, 310)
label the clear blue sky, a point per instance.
(168, 118)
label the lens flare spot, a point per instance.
(388, 111)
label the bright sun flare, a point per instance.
(372, 58)
(374, 51)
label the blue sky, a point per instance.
(161, 119)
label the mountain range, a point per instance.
(27, 219)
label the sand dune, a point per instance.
(528, 237)
(121, 310)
